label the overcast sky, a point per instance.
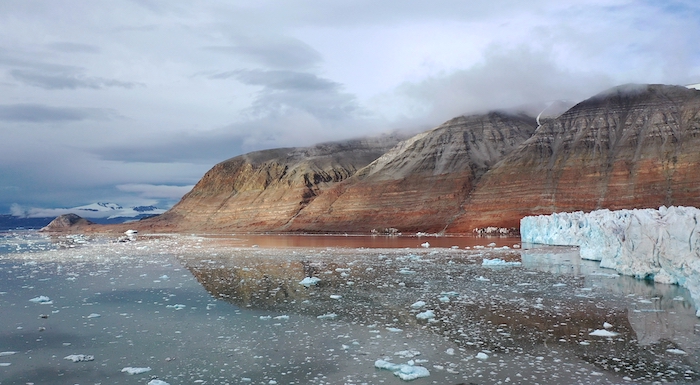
(132, 101)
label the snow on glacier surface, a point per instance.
(662, 244)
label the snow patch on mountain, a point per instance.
(663, 244)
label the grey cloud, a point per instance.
(281, 80)
(37, 113)
(505, 79)
(285, 90)
(65, 80)
(68, 47)
(279, 52)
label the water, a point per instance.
(218, 311)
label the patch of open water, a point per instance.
(205, 311)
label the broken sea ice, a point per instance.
(403, 371)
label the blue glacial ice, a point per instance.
(663, 244)
(405, 372)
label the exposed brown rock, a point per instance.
(634, 146)
(67, 223)
(263, 191)
(419, 184)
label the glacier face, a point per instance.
(662, 244)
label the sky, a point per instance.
(132, 101)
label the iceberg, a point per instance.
(663, 244)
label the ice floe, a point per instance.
(79, 358)
(135, 370)
(42, 299)
(499, 262)
(157, 382)
(310, 281)
(603, 333)
(403, 371)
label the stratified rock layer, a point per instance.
(419, 184)
(263, 191)
(633, 146)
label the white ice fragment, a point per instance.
(426, 245)
(450, 352)
(327, 316)
(157, 382)
(603, 333)
(403, 371)
(418, 304)
(133, 370)
(5, 363)
(79, 358)
(41, 299)
(310, 281)
(3, 354)
(265, 317)
(336, 296)
(410, 353)
(492, 244)
(482, 279)
(607, 325)
(94, 315)
(131, 232)
(444, 299)
(498, 262)
(428, 314)
(176, 306)
(163, 277)
(282, 317)
(677, 351)
(394, 330)
(482, 356)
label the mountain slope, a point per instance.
(419, 184)
(264, 190)
(634, 146)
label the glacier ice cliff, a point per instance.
(663, 244)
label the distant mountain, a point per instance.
(99, 213)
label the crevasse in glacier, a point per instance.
(662, 244)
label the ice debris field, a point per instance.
(186, 310)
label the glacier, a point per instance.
(663, 244)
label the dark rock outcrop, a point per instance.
(67, 223)
(634, 146)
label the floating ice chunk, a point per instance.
(94, 315)
(482, 356)
(418, 304)
(265, 317)
(498, 262)
(450, 352)
(444, 299)
(410, 353)
(342, 270)
(310, 281)
(41, 299)
(132, 370)
(176, 306)
(603, 333)
(406, 271)
(677, 351)
(607, 325)
(482, 279)
(131, 232)
(79, 358)
(282, 317)
(394, 330)
(492, 244)
(3, 354)
(336, 296)
(403, 371)
(450, 293)
(157, 382)
(426, 245)
(428, 314)
(163, 277)
(327, 316)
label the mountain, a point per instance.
(265, 190)
(633, 146)
(419, 184)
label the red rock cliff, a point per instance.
(635, 146)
